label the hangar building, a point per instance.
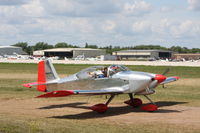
(70, 52)
(11, 50)
(187, 56)
(144, 54)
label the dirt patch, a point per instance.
(168, 113)
(187, 82)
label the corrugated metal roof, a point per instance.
(67, 49)
(9, 47)
(154, 50)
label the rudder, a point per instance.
(41, 76)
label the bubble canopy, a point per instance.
(109, 70)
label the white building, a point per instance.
(145, 54)
(70, 52)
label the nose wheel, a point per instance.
(136, 102)
(151, 107)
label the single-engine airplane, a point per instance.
(100, 80)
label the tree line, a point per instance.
(109, 49)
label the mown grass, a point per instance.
(187, 90)
(183, 72)
(173, 91)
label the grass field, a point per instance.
(19, 109)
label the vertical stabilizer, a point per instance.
(50, 71)
(46, 74)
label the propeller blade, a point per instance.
(166, 71)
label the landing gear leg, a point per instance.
(150, 107)
(110, 99)
(131, 97)
(149, 99)
(101, 108)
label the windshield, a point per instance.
(100, 71)
(115, 69)
(90, 72)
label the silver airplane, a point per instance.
(100, 80)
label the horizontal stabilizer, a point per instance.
(29, 85)
(61, 93)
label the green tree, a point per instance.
(176, 49)
(61, 45)
(90, 46)
(42, 46)
(149, 47)
(86, 45)
(30, 50)
(195, 50)
(23, 45)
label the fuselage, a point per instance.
(130, 81)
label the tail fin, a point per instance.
(46, 73)
(41, 76)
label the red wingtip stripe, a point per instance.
(61, 93)
(176, 77)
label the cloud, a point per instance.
(186, 28)
(108, 26)
(26, 13)
(166, 9)
(95, 8)
(81, 8)
(137, 8)
(112, 22)
(33, 9)
(194, 5)
(141, 27)
(12, 2)
(8, 30)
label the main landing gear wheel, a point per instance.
(102, 108)
(136, 102)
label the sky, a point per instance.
(101, 22)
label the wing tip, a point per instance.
(176, 77)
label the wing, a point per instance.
(63, 93)
(170, 79)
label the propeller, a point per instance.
(164, 73)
